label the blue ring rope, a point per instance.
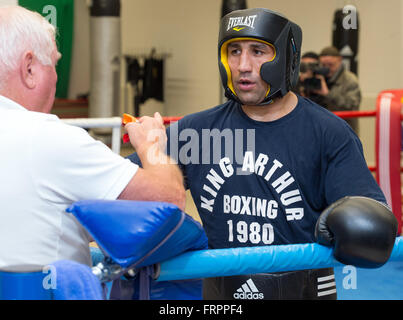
(242, 261)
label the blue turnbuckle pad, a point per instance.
(135, 233)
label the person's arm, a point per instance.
(345, 96)
(324, 90)
(346, 99)
(159, 179)
(347, 172)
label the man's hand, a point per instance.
(159, 179)
(305, 75)
(148, 137)
(324, 90)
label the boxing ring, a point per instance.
(168, 249)
(242, 261)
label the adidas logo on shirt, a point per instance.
(248, 291)
(326, 286)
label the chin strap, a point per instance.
(267, 101)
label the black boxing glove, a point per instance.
(361, 230)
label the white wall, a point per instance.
(187, 30)
(8, 2)
(80, 59)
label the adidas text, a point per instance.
(248, 296)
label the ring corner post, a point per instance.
(388, 148)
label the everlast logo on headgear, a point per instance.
(282, 73)
(248, 21)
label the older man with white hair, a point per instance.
(47, 165)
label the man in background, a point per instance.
(340, 89)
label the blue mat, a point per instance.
(385, 283)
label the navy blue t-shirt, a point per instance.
(266, 183)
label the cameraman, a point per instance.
(309, 81)
(340, 89)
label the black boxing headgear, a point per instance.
(281, 73)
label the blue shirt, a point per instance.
(266, 183)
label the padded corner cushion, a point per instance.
(134, 232)
(189, 236)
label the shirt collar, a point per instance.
(337, 74)
(6, 103)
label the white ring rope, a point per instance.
(115, 123)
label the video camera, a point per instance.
(313, 83)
